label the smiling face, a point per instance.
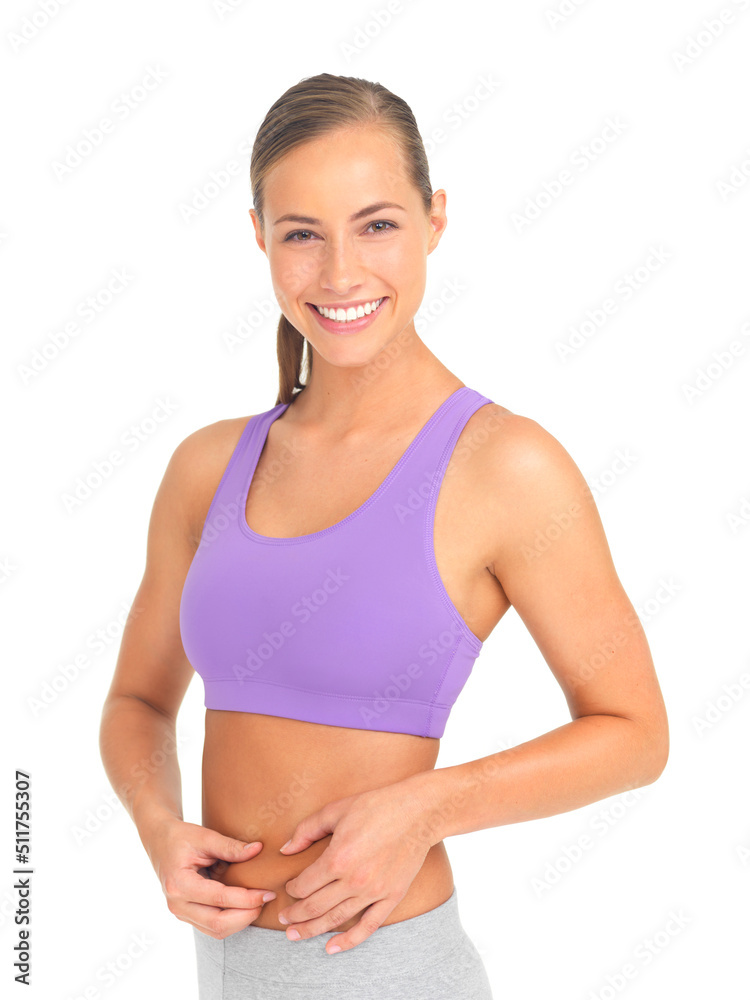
(346, 229)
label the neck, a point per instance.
(349, 400)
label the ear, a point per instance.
(258, 232)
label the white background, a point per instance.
(674, 515)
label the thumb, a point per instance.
(222, 848)
(308, 830)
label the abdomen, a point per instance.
(262, 774)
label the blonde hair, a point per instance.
(312, 108)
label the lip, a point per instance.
(343, 329)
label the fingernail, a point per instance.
(284, 847)
(333, 949)
(283, 920)
(268, 896)
(255, 843)
(293, 935)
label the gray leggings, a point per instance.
(427, 957)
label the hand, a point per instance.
(371, 860)
(178, 852)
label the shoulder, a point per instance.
(524, 453)
(197, 465)
(523, 476)
(517, 452)
(207, 447)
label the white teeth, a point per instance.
(346, 315)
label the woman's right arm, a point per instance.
(137, 736)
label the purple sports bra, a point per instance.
(350, 626)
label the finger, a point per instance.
(311, 828)
(215, 922)
(371, 919)
(194, 887)
(311, 879)
(330, 918)
(316, 905)
(215, 846)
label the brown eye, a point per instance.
(382, 222)
(297, 232)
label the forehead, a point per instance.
(338, 173)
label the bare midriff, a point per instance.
(263, 774)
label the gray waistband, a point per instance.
(398, 948)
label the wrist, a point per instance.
(424, 795)
(151, 821)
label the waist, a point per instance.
(262, 775)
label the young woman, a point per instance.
(331, 567)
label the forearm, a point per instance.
(138, 747)
(585, 760)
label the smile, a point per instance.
(352, 313)
(349, 319)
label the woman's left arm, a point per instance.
(549, 553)
(552, 559)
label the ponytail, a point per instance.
(290, 348)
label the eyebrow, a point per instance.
(309, 221)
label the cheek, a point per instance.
(292, 271)
(402, 263)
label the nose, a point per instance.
(341, 269)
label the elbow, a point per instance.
(655, 746)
